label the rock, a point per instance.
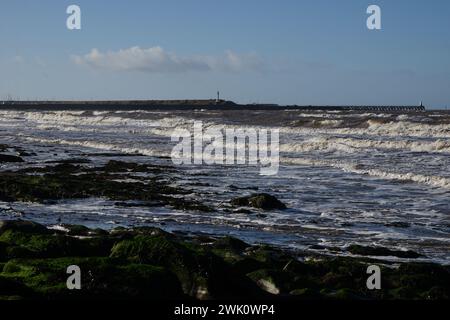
(246, 265)
(271, 257)
(306, 294)
(12, 288)
(4, 158)
(233, 187)
(271, 281)
(28, 227)
(346, 294)
(162, 251)
(317, 247)
(149, 263)
(68, 181)
(230, 249)
(26, 154)
(232, 244)
(71, 161)
(76, 230)
(437, 293)
(121, 166)
(381, 251)
(102, 278)
(83, 231)
(29, 241)
(431, 269)
(398, 224)
(262, 201)
(202, 275)
(423, 277)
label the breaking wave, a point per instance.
(329, 143)
(434, 181)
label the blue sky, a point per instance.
(287, 52)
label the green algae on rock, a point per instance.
(68, 181)
(149, 263)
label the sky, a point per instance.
(311, 52)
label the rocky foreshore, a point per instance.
(149, 263)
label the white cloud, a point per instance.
(18, 59)
(157, 60)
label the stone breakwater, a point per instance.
(206, 104)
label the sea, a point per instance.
(347, 177)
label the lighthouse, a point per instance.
(218, 97)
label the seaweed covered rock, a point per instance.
(262, 201)
(23, 226)
(5, 158)
(202, 274)
(271, 281)
(22, 239)
(431, 280)
(68, 181)
(381, 251)
(231, 243)
(102, 278)
(150, 263)
(79, 230)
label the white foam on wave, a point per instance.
(58, 119)
(330, 123)
(377, 128)
(434, 181)
(101, 146)
(352, 145)
(99, 121)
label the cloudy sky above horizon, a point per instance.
(287, 52)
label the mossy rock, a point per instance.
(230, 249)
(381, 251)
(25, 245)
(11, 288)
(67, 181)
(83, 231)
(246, 265)
(23, 226)
(203, 275)
(346, 294)
(151, 231)
(101, 278)
(269, 256)
(272, 281)
(262, 201)
(423, 276)
(403, 293)
(437, 293)
(161, 251)
(306, 294)
(230, 243)
(431, 269)
(5, 158)
(131, 263)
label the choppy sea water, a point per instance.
(347, 177)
